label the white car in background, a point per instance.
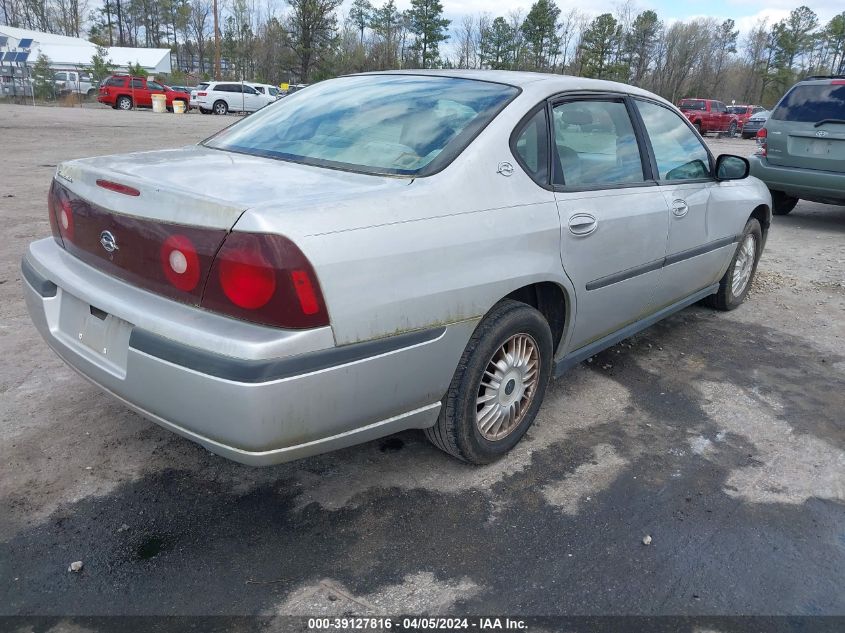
(193, 102)
(267, 89)
(222, 97)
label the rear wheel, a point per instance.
(498, 386)
(204, 111)
(124, 103)
(732, 129)
(697, 127)
(221, 107)
(734, 285)
(782, 204)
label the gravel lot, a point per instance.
(720, 435)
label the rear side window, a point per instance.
(116, 81)
(594, 144)
(809, 103)
(532, 147)
(137, 83)
(678, 152)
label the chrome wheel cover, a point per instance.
(507, 387)
(744, 265)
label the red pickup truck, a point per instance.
(709, 115)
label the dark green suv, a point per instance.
(802, 146)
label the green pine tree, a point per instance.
(429, 26)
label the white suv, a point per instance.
(267, 89)
(222, 97)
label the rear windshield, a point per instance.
(386, 124)
(692, 104)
(810, 103)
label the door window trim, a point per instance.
(518, 129)
(650, 148)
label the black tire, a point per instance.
(782, 204)
(745, 136)
(725, 299)
(456, 431)
(697, 127)
(123, 103)
(732, 129)
(220, 107)
(204, 111)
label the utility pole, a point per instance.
(217, 75)
(108, 17)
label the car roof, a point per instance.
(522, 79)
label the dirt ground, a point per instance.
(720, 435)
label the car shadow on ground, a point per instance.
(712, 439)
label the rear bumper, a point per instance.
(809, 184)
(249, 398)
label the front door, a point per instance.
(614, 221)
(696, 248)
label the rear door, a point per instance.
(614, 217)
(807, 128)
(140, 94)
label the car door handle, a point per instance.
(679, 208)
(582, 224)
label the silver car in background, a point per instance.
(388, 251)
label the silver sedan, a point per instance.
(388, 251)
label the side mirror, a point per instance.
(730, 167)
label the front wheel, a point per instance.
(782, 204)
(498, 386)
(734, 285)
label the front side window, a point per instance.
(811, 103)
(386, 124)
(532, 147)
(152, 85)
(679, 154)
(594, 144)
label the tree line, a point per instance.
(309, 40)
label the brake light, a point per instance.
(762, 142)
(118, 188)
(265, 279)
(51, 213)
(838, 82)
(63, 213)
(202, 94)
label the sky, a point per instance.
(746, 13)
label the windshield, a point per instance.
(812, 103)
(692, 104)
(386, 124)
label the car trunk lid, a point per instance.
(126, 215)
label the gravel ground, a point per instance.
(719, 435)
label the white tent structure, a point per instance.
(68, 53)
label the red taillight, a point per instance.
(180, 262)
(247, 278)
(265, 279)
(118, 188)
(838, 82)
(51, 213)
(202, 94)
(762, 141)
(63, 211)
